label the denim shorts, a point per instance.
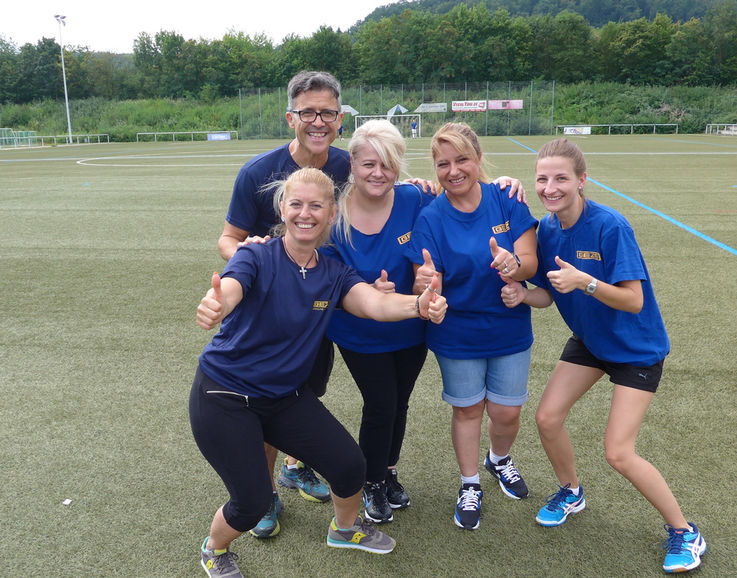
(501, 380)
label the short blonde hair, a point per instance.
(463, 139)
(305, 176)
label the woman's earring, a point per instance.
(282, 220)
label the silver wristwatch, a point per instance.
(591, 287)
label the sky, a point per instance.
(112, 27)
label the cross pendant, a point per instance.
(303, 271)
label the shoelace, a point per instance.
(306, 474)
(675, 541)
(554, 500)
(509, 472)
(377, 493)
(470, 499)
(225, 562)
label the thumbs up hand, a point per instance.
(513, 293)
(432, 305)
(567, 278)
(425, 272)
(210, 309)
(502, 260)
(383, 284)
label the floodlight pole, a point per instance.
(60, 19)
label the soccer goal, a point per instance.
(720, 128)
(409, 125)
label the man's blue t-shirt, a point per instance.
(602, 244)
(477, 324)
(252, 204)
(368, 256)
(267, 345)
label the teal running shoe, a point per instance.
(560, 505)
(684, 549)
(310, 487)
(268, 526)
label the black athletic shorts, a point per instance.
(635, 376)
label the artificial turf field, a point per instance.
(105, 251)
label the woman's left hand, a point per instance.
(432, 305)
(567, 278)
(383, 284)
(428, 186)
(515, 188)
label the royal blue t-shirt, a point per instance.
(267, 345)
(477, 324)
(368, 256)
(252, 205)
(602, 244)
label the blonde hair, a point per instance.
(564, 148)
(389, 145)
(463, 139)
(305, 176)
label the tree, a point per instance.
(8, 70)
(720, 25)
(688, 55)
(39, 71)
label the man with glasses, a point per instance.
(314, 112)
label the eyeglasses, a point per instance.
(311, 115)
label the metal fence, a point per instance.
(490, 108)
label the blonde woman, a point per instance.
(275, 301)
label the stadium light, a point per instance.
(61, 20)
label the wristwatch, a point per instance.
(519, 263)
(591, 287)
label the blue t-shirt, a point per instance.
(477, 324)
(602, 243)
(252, 206)
(368, 256)
(267, 345)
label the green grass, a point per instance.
(102, 263)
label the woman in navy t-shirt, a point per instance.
(275, 301)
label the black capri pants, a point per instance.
(230, 430)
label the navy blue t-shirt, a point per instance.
(267, 345)
(252, 205)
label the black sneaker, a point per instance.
(377, 506)
(468, 507)
(510, 481)
(395, 493)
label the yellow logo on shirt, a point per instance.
(320, 305)
(588, 255)
(404, 238)
(500, 228)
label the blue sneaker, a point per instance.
(268, 526)
(468, 507)
(559, 505)
(509, 479)
(304, 479)
(684, 547)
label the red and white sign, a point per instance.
(468, 105)
(506, 104)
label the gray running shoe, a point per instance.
(220, 565)
(363, 536)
